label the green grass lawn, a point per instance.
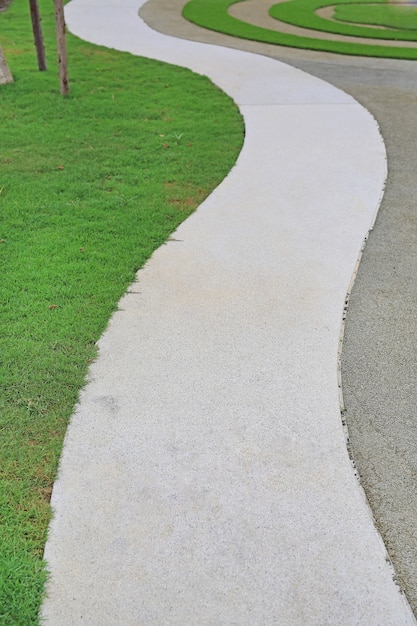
(213, 14)
(379, 13)
(389, 15)
(90, 185)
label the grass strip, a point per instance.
(391, 15)
(90, 185)
(213, 14)
(302, 13)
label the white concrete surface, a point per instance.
(205, 478)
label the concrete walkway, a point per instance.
(379, 365)
(205, 478)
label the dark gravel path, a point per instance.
(379, 365)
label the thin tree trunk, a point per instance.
(37, 34)
(62, 48)
(5, 75)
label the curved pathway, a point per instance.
(204, 477)
(378, 359)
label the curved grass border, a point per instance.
(389, 15)
(302, 13)
(212, 14)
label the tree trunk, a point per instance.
(37, 34)
(5, 75)
(62, 48)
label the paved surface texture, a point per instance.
(205, 477)
(379, 365)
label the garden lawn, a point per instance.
(394, 22)
(213, 14)
(388, 14)
(90, 185)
